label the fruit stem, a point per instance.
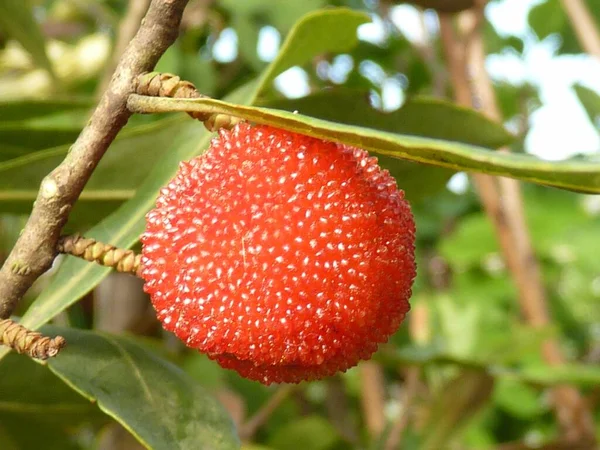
(155, 84)
(104, 254)
(32, 343)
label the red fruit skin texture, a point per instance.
(281, 256)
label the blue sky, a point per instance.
(559, 128)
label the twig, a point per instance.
(32, 343)
(584, 26)
(129, 26)
(36, 248)
(339, 411)
(104, 254)
(410, 388)
(372, 386)
(262, 415)
(502, 200)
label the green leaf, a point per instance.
(16, 434)
(248, 17)
(457, 402)
(312, 432)
(494, 43)
(32, 397)
(549, 18)
(31, 390)
(578, 374)
(17, 21)
(327, 30)
(35, 137)
(115, 180)
(471, 241)
(24, 109)
(419, 116)
(590, 100)
(153, 399)
(518, 399)
(581, 176)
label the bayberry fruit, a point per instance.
(281, 256)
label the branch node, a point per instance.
(104, 254)
(31, 343)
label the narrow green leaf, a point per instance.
(579, 374)
(16, 19)
(152, 398)
(115, 180)
(12, 151)
(580, 176)
(24, 109)
(455, 405)
(35, 137)
(326, 30)
(418, 116)
(590, 100)
(541, 374)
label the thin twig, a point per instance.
(411, 385)
(372, 387)
(127, 29)
(107, 255)
(31, 343)
(36, 248)
(253, 424)
(502, 200)
(584, 26)
(339, 411)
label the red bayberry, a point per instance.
(281, 256)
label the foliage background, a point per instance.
(464, 371)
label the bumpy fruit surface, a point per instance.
(281, 256)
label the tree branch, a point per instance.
(36, 248)
(583, 25)
(502, 200)
(372, 387)
(248, 429)
(572, 412)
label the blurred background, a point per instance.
(467, 369)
